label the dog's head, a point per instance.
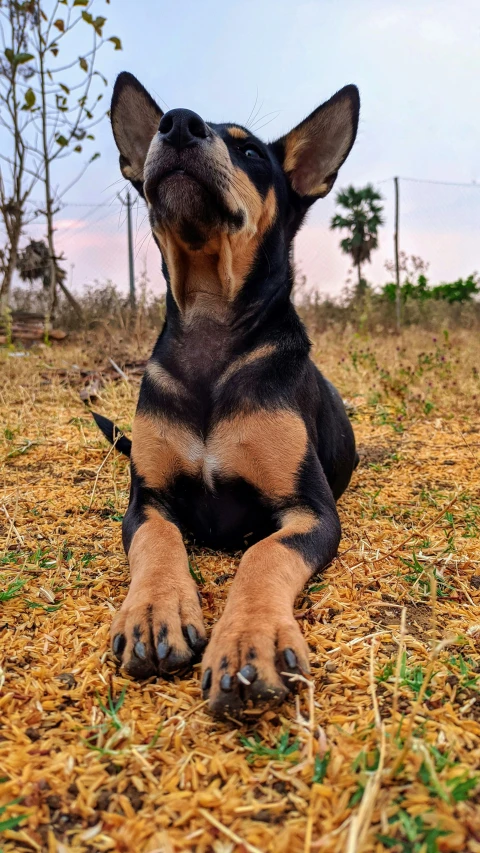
(217, 190)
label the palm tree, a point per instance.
(362, 220)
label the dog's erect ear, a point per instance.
(135, 118)
(312, 153)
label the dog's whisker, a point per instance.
(256, 114)
(267, 122)
(253, 108)
(273, 113)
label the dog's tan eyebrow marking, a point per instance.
(237, 132)
(244, 360)
(161, 377)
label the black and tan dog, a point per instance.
(238, 440)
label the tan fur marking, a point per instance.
(162, 593)
(316, 149)
(162, 449)
(264, 448)
(295, 142)
(244, 360)
(174, 260)
(259, 616)
(156, 543)
(270, 560)
(164, 379)
(298, 521)
(237, 132)
(238, 255)
(194, 279)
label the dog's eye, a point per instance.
(251, 151)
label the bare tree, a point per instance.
(17, 171)
(69, 105)
(62, 101)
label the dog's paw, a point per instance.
(250, 660)
(160, 633)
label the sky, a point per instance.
(416, 63)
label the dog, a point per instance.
(238, 441)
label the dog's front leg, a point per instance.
(159, 627)
(257, 643)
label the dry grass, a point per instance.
(379, 752)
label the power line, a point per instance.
(75, 203)
(71, 233)
(85, 204)
(473, 184)
(428, 181)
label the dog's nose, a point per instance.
(182, 128)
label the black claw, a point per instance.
(207, 679)
(118, 645)
(290, 658)
(195, 641)
(140, 651)
(247, 673)
(192, 635)
(226, 682)
(162, 650)
(162, 634)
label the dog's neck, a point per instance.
(199, 342)
(209, 281)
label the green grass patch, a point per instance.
(411, 834)
(11, 822)
(13, 590)
(283, 750)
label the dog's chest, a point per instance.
(262, 448)
(211, 483)
(202, 352)
(199, 457)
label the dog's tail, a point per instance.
(113, 434)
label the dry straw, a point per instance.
(381, 742)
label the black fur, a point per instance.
(113, 434)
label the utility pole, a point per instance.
(397, 266)
(131, 270)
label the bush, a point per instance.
(461, 290)
(429, 308)
(102, 306)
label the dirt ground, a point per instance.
(379, 752)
